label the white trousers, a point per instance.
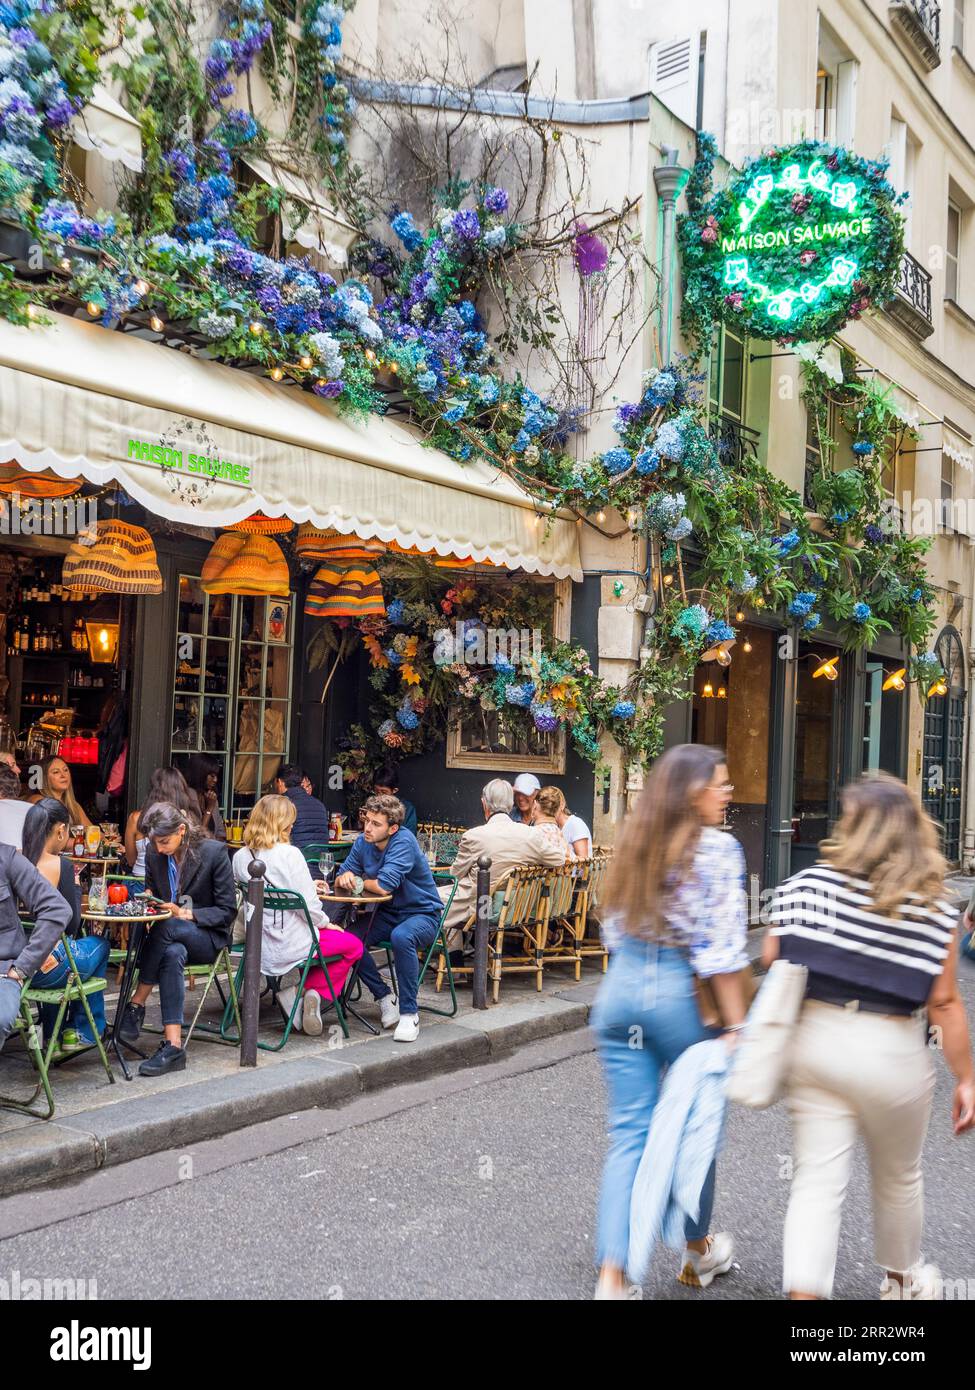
(853, 1074)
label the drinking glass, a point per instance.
(428, 843)
(97, 893)
(326, 864)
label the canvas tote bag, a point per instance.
(763, 1054)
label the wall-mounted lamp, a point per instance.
(827, 668)
(940, 687)
(721, 653)
(708, 691)
(896, 681)
(722, 693)
(102, 641)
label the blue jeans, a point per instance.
(645, 1016)
(90, 956)
(10, 992)
(408, 935)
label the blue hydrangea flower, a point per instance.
(503, 666)
(720, 631)
(872, 533)
(488, 390)
(647, 462)
(427, 382)
(617, 460)
(386, 727)
(544, 718)
(747, 584)
(465, 224)
(802, 604)
(407, 718)
(394, 611)
(456, 412)
(863, 447)
(811, 622)
(623, 709)
(681, 529)
(786, 544)
(660, 388)
(519, 695)
(669, 441)
(861, 612)
(496, 200)
(915, 596)
(521, 441)
(495, 238)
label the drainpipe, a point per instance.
(669, 179)
(968, 843)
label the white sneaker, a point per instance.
(311, 1015)
(389, 1011)
(699, 1270)
(408, 1028)
(921, 1284)
(286, 999)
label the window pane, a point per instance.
(216, 673)
(276, 726)
(733, 375)
(252, 614)
(249, 669)
(191, 602)
(187, 662)
(219, 614)
(214, 724)
(488, 731)
(186, 722)
(954, 222)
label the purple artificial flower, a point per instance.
(496, 200)
(329, 389)
(466, 225)
(591, 255)
(60, 113)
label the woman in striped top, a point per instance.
(871, 922)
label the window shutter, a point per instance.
(674, 74)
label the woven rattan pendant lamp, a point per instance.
(121, 561)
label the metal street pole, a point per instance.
(251, 998)
(482, 923)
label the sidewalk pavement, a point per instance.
(98, 1124)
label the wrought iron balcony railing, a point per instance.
(911, 305)
(920, 22)
(734, 440)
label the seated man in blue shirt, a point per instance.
(389, 860)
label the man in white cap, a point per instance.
(527, 787)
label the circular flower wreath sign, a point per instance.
(801, 240)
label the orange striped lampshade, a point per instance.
(313, 544)
(14, 479)
(261, 525)
(253, 566)
(441, 562)
(121, 561)
(345, 591)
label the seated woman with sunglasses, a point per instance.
(47, 830)
(286, 940)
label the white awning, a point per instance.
(305, 216)
(207, 445)
(824, 356)
(107, 128)
(958, 449)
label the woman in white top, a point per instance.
(544, 810)
(576, 833)
(286, 941)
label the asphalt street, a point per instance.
(480, 1185)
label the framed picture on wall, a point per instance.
(278, 611)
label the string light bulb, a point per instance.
(895, 681)
(276, 374)
(155, 323)
(668, 580)
(93, 308)
(370, 355)
(141, 288)
(746, 646)
(739, 616)
(600, 516)
(723, 656)
(256, 328)
(305, 362)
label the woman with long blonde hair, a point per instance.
(676, 898)
(878, 936)
(57, 783)
(286, 941)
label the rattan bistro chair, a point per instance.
(560, 894)
(588, 938)
(518, 914)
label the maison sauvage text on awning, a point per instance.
(796, 235)
(167, 457)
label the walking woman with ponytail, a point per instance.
(677, 900)
(873, 926)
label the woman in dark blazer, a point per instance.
(192, 876)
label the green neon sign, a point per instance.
(801, 240)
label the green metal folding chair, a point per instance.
(279, 900)
(43, 1057)
(313, 851)
(437, 947)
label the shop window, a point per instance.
(947, 492)
(232, 688)
(727, 374)
(486, 739)
(836, 84)
(903, 152)
(952, 245)
(882, 720)
(958, 34)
